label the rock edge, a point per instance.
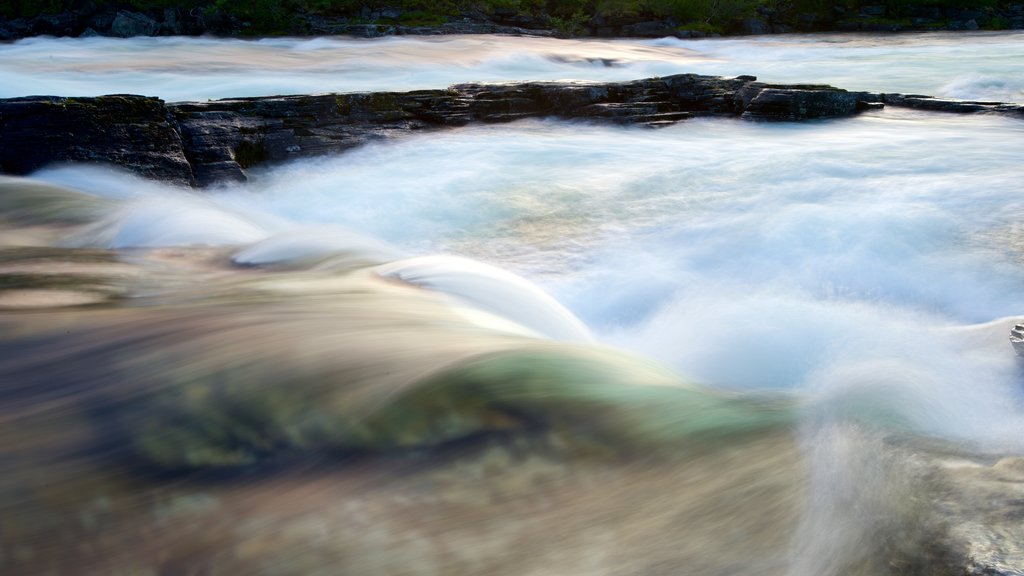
(208, 143)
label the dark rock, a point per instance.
(171, 24)
(796, 102)
(14, 29)
(127, 24)
(808, 22)
(101, 21)
(216, 141)
(947, 105)
(59, 24)
(883, 26)
(279, 128)
(220, 139)
(755, 26)
(135, 132)
(651, 29)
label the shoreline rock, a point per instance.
(206, 143)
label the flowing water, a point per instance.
(850, 281)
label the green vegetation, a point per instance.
(567, 17)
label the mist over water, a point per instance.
(968, 65)
(819, 257)
(862, 269)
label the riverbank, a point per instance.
(223, 19)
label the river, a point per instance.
(865, 270)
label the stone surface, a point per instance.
(920, 102)
(134, 132)
(206, 143)
(796, 102)
(127, 24)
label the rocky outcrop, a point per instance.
(944, 105)
(127, 24)
(799, 101)
(136, 132)
(205, 143)
(216, 141)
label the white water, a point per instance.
(864, 263)
(979, 65)
(818, 256)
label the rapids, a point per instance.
(719, 347)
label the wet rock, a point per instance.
(127, 24)
(983, 505)
(14, 29)
(59, 24)
(755, 26)
(278, 128)
(216, 141)
(796, 102)
(921, 102)
(650, 29)
(135, 132)
(220, 139)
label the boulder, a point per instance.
(14, 29)
(135, 132)
(754, 26)
(59, 24)
(796, 102)
(127, 24)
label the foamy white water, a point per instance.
(981, 65)
(868, 266)
(829, 257)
